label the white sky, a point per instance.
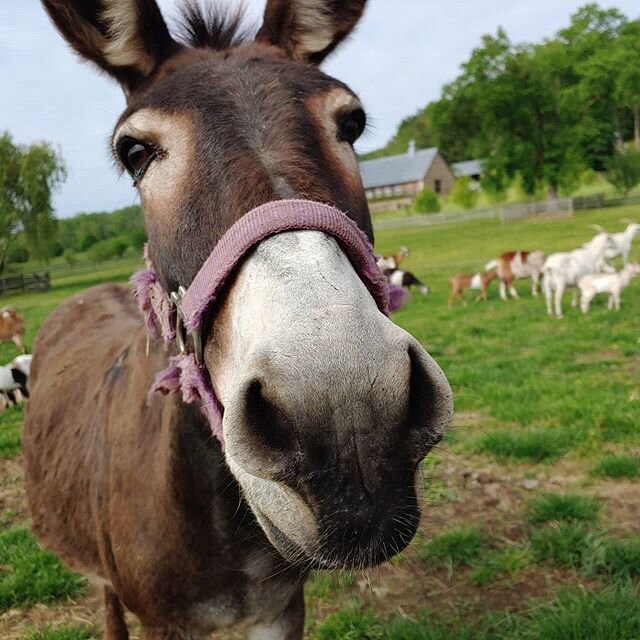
(402, 54)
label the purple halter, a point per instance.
(179, 316)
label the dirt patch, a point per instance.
(602, 355)
(13, 501)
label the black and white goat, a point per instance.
(14, 378)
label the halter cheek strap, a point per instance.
(178, 317)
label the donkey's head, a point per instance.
(329, 407)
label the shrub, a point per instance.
(623, 171)
(618, 467)
(465, 192)
(427, 201)
(553, 506)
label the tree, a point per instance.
(624, 170)
(28, 177)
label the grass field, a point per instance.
(532, 521)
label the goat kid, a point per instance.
(474, 281)
(611, 283)
(13, 380)
(563, 270)
(517, 265)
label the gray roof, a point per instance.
(407, 167)
(467, 168)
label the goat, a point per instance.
(13, 378)
(405, 279)
(620, 243)
(513, 265)
(393, 262)
(12, 327)
(474, 281)
(564, 269)
(611, 283)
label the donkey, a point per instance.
(326, 408)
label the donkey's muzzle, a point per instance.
(332, 407)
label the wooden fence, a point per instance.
(25, 282)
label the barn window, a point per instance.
(438, 186)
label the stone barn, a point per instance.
(406, 174)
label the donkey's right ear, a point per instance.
(128, 39)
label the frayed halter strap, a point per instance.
(179, 316)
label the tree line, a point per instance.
(542, 113)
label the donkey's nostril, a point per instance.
(426, 416)
(268, 423)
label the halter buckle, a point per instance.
(182, 334)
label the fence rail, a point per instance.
(25, 282)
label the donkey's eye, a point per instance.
(135, 156)
(352, 125)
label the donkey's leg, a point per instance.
(289, 625)
(115, 627)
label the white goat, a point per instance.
(611, 283)
(620, 243)
(562, 270)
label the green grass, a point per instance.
(500, 563)
(29, 574)
(532, 445)
(618, 467)
(617, 558)
(62, 633)
(611, 613)
(567, 507)
(563, 544)
(458, 547)
(10, 430)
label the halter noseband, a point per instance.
(179, 316)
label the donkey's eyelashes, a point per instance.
(135, 155)
(351, 125)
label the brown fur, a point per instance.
(462, 281)
(12, 327)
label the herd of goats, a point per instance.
(584, 269)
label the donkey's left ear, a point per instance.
(309, 30)
(128, 39)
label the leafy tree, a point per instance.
(466, 192)
(624, 170)
(427, 201)
(28, 177)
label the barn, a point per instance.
(468, 169)
(406, 174)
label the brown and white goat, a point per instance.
(394, 261)
(474, 281)
(12, 327)
(516, 265)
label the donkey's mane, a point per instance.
(212, 26)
